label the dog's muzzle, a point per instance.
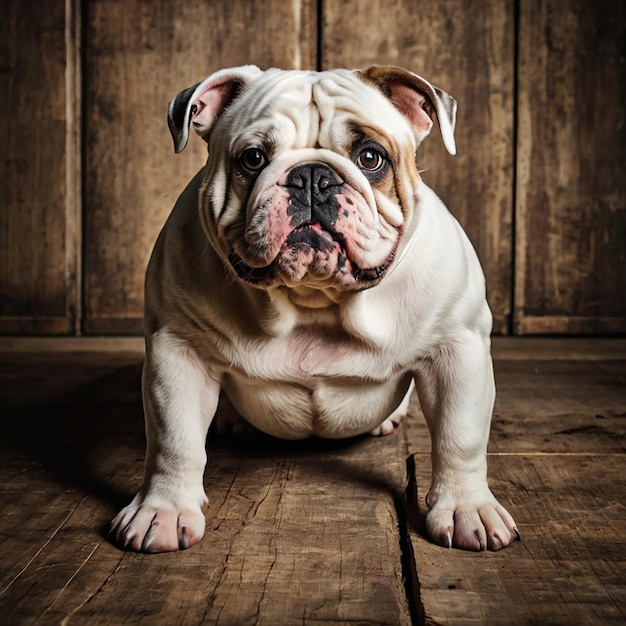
(311, 239)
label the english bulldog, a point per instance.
(310, 273)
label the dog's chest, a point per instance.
(314, 383)
(307, 354)
(315, 354)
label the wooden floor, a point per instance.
(316, 532)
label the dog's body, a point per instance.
(310, 273)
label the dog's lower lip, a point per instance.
(257, 275)
(302, 236)
(314, 235)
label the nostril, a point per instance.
(298, 182)
(324, 178)
(324, 183)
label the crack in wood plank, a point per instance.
(42, 548)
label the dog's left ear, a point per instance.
(416, 98)
(202, 103)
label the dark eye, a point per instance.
(370, 160)
(253, 159)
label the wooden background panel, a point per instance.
(570, 274)
(571, 194)
(138, 56)
(38, 205)
(470, 54)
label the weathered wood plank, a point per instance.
(308, 532)
(137, 57)
(289, 540)
(295, 532)
(571, 216)
(569, 568)
(41, 589)
(473, 59)
(503, 348)
(557, 462)
(30, 520)
(568, 324)
(32, 324)
(69, 345)
(39, 202)
(558, 348)
(549, 405)
(559, 406)
(304, 554)
(552, 396)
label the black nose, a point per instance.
(312, 189)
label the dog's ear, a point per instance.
(201, 104)
(416, 98)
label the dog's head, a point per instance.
(311, 176)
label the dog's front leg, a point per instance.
(456, 390)
(180, 396)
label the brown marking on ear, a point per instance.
(397, 83)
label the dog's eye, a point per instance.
(370, 160)
(253, 159)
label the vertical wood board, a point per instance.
(470, 54)
(570, 234)
(571, 191)
(139, 55)
(38, 202)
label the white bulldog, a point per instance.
(310, 273)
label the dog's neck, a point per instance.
(304, 297)
(304, 306)
(333, 313)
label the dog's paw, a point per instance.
(389, 426)
(147, 525)
(471, 523)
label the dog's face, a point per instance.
(311, 176)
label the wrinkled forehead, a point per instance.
(303, 109)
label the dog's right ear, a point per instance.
(202, 103)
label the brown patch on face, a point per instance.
(400, 179)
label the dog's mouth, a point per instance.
(315, 252)
(312, 234)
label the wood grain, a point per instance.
(557, 461)
(550, 73)
(571, 212)
(546, 404)
(138, 56)
(472, 59)
(296, 533)
(558, 348)
(39, 205)
(569, 567)
(312, 532)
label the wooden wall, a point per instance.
(571, 167)
(89, 174)
(39, 169)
